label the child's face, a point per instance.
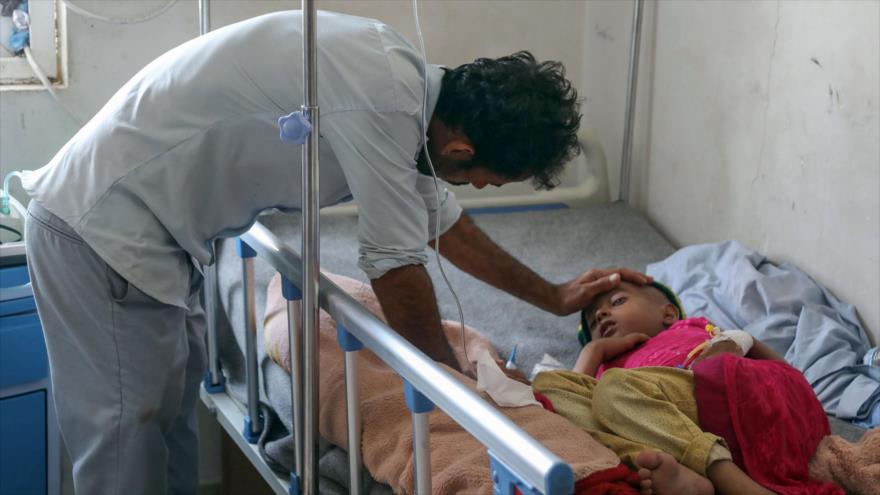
(630, 309)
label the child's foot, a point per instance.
(661, 474)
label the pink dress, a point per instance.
(668, 348)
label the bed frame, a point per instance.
(517, 461)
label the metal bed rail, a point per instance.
(518, 462)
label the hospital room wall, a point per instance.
(761, 125)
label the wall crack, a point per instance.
(760, 167)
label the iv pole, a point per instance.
(310, 250)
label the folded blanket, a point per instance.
(459, 464)
(854, 466)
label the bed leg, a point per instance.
(214, 381)
(253, 422)
(420, 406)
(350, 344)
(293, 295)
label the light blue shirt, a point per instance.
(188, 150)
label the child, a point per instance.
(728, 417)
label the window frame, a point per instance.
(47, 41)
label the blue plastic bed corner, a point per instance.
(214, 388)
(347, 341)
(293, 488)
(415, 400)
(251, 437)
(290, 291)
(244, 250)
(559, 479)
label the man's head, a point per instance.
(504, 120)
(630, 308)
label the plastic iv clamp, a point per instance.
(295, 128)
(511, 361)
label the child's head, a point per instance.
(630, 308)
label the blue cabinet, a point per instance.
(23, 449)
(29, 440)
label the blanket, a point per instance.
(459, 464)
(854, 466)
(736, 287)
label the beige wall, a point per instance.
(763, 127)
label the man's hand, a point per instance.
(579, 293)
(471, 250)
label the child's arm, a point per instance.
(588, 360)
(758, 350)
(761, 350)
(598, 351)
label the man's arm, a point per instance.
(470, 249)
(407, 299)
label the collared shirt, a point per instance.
(188, 151)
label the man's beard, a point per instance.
(422, 162)
(425, 169)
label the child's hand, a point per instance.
(513, 374)
(611, 347)
(600, 350)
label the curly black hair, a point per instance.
(521, 116)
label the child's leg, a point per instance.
(729, 479)
(572, 396)
(661, 474)
(655, 406)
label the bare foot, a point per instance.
(661, 474)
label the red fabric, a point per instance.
(544, 401)
(668, 348)
(620, 480)
(770, 418)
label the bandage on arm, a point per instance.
(740, 337)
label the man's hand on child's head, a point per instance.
(580, 292)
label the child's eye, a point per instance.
(618, 301)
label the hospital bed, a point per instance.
(555, 239)
(558, 240)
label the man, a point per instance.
(187, 151)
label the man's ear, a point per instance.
(670, 314)
(458, 148)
